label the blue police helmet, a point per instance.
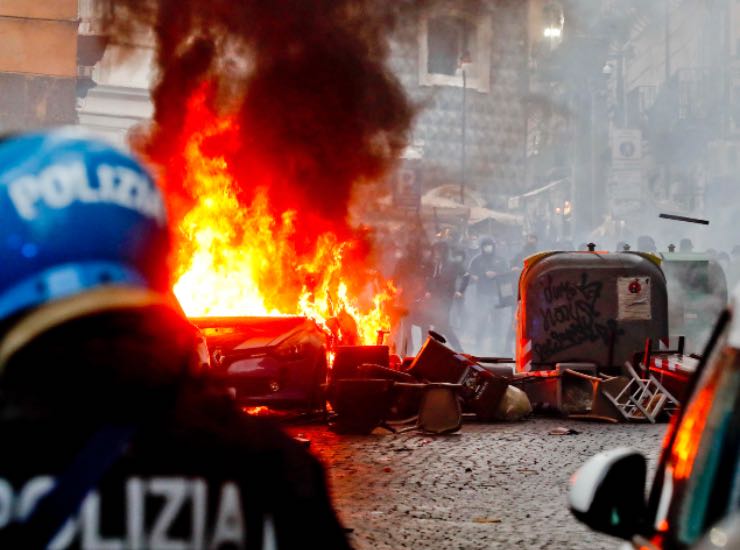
(76, 214)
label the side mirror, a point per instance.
(608, 492)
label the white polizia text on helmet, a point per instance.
(60, 185)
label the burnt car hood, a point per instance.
(250, 335)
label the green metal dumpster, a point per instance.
(697, 294)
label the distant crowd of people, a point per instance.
(465, 288)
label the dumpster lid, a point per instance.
(685, 257)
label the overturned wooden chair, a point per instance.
(440, 411)
(643, 399)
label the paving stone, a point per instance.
(489, 486)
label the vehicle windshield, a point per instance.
(703, 460)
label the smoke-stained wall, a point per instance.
(494, 120)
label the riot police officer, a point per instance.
(110, 436)
(485, 271)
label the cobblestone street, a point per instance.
(489, 486)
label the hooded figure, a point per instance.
(645, 243)
(485, 267)
(485, 270)
(112, 437)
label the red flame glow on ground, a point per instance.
(236, 256)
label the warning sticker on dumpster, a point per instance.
(633, 294)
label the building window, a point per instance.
(553, 21)
(452, 42)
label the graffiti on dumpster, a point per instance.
(571, 316)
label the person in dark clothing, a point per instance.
(447, 283)
(529, 248)
(484, 270)
(412, 273)
(411, 277)
(645, 243)
(457, 312)
(113, 435)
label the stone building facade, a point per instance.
(76, 79)
(55, 69)
(487, 40)
(38, 63)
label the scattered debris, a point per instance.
(302, 441)
(683, 219)
(598, 387)
(643, 399)
(440, 411)
(562, 430)
(514, 405)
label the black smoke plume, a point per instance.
(318, 110)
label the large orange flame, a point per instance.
(237, 259)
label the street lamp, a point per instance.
(552, 15)
(463, 64)
(562, 214)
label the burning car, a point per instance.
(279, 362)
